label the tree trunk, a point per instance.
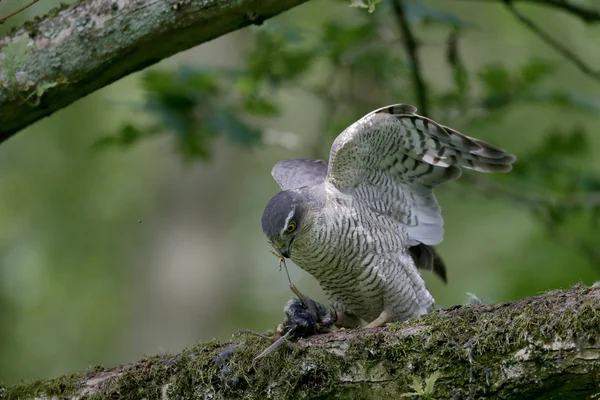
(543, 347)
(69, 53)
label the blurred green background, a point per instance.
(130, 221)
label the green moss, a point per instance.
(62, 387)
(475, 350)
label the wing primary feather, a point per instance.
(392, 159)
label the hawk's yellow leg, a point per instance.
(383, 319)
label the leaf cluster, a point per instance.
(354, 64)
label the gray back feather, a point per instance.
(392, 159)
(299, 172)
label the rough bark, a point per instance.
(543, 347)
(83, 47)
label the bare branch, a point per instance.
(4, 19)
(588, 15)
(494, 189)
(411, 48)
(562, 49)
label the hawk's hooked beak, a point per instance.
(283, 249)
(284, 252)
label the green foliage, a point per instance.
(186, 104)
(351, 67)
(277, 58)
(423, 390)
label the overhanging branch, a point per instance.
(92, 43)
(546, 346)
(587, 14)
(556, 45)
(411, 48)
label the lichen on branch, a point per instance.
(546, 346)
(78, 49)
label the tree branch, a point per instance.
(546, 346)
(560, 48)
(588, 15)
(92, 43)
(25, 7)
(411, 45)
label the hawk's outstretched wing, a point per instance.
(292, 174)
(391, 160)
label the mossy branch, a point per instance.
(546, 347)
(92, 43)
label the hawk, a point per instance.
(365, 223)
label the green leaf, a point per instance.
(128, 135)
(43, 86)
(225, 121)
(416, 385)
(430, 383)
(535, 70)
(338, 39)
(194, 145)
(380, 63)
(274, 60)
(259, 105)
(496, 79)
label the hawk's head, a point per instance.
(284, 218)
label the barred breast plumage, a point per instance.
(363, 223)
(369, 265)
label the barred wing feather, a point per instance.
(392, 159)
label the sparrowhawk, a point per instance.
(363, 223)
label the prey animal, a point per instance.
(365, 223)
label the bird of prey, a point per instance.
(364, 223)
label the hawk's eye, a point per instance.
(291, 227)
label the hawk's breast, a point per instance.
(343, 250)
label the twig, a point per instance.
(410, 45)
(459, 71)
(562, 49)
(588, 15)
(3, 20)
